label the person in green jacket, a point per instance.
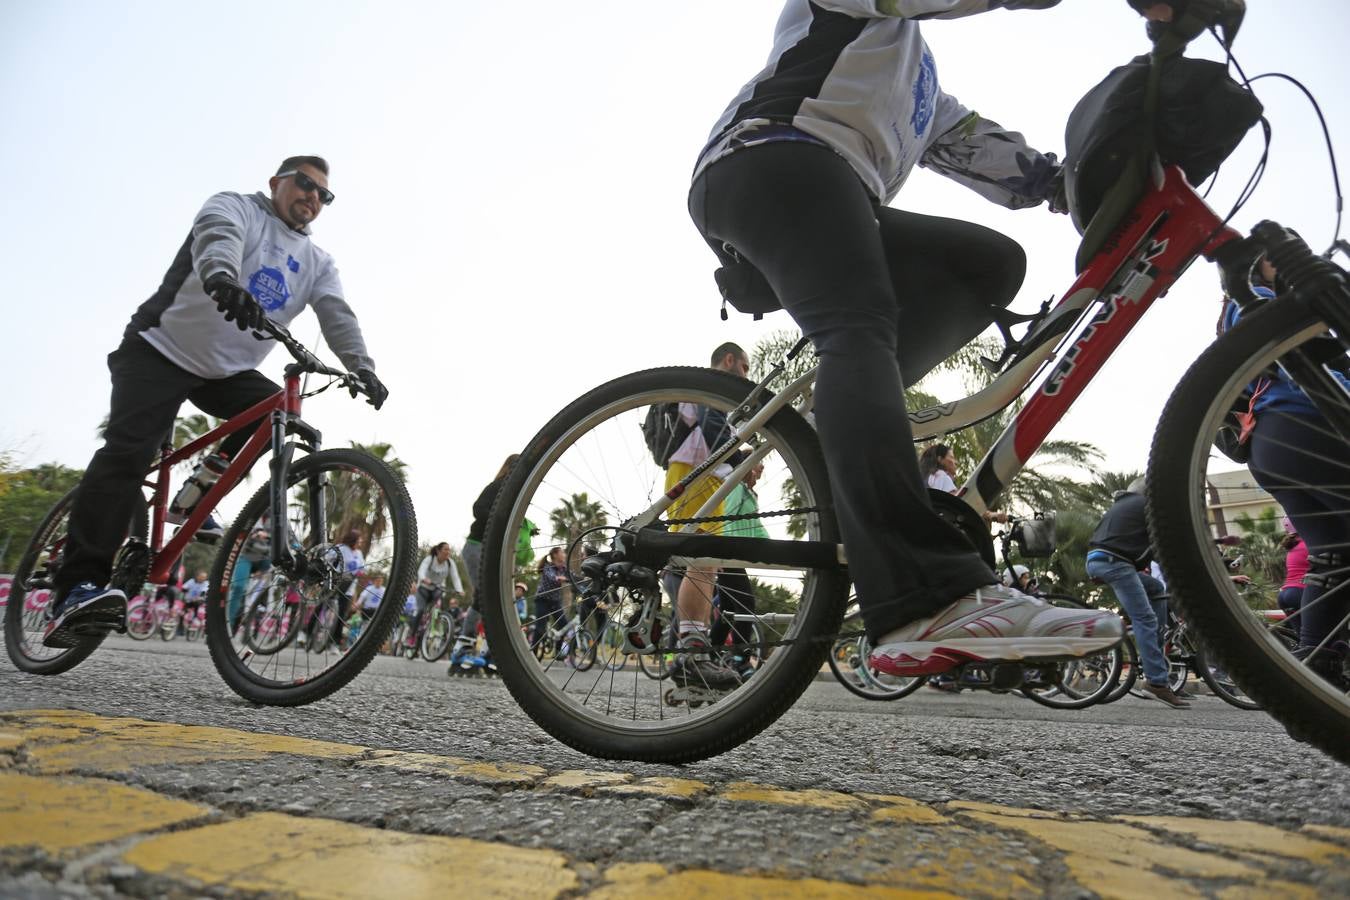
(734, 588)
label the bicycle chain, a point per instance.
(744, 516)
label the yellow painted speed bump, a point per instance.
(61, 814)
(585, 781)
(685, 789)
(1251, 837)
(748, 792)
(57, 741)
(506, 773)
(321, 858)
(643, 881)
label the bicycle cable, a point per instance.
(1260, 169)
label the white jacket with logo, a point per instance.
(858, 76)
(243, 237)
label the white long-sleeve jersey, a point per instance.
(243, 237)
(858, 76)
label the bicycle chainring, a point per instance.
(131, 567)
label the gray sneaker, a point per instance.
(696, 666)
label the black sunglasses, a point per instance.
(307, 184)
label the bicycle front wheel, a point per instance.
(592, 456)
(327, 495)
(436, 639)
(1190, 484)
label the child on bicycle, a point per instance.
(246, 257)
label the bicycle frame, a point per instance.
(1149, 250)
(276, 416)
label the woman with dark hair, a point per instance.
(548, 595)
(431, 576)
(937, 464)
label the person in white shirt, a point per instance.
(937, 464)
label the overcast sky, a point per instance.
(510, 220)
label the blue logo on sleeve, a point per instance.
(925, 94)
(269, 286)
(293, 264)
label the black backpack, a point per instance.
(664, 431)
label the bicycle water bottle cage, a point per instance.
(1013, 349)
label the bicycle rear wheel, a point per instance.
(595, 447)
(1079, 683)
(30, 591)
(440, 631)
(1188, 487)
(327, 494)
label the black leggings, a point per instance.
(884, 295)
(1303, 464)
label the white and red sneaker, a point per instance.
(994, 624)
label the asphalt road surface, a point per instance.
(140, 773)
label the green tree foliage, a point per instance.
(1263, 553)
(772, 597)
(358, 500)
(574, 516)
(26, 495)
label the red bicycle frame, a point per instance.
(1168, 228)
(272, 415)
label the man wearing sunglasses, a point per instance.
(246, 257)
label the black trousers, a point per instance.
(884, 295)
(147, 391)
(738, 598)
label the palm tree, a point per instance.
(357, 501)
(575, 515)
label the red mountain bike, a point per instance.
(1148, 228)
(308, 504)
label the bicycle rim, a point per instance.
(30, 592)
(848, 663)
(592, 456)
(1190, 482)
(296, 652)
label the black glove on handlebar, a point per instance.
(1191, 17)
(238, 305)
(375, 388)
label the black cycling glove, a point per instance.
(238, 305)
(375, 388)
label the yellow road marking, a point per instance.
(1329, 831)
(902, 809)
(1116, 859)
(506, 773)
(60, 815)
(642, 881)
(323, 859)
(674, 788)
(1251, 837)
(10, 740)
(65, 741)
(748, 792)
(584, 778)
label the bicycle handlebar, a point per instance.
(307, 360)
